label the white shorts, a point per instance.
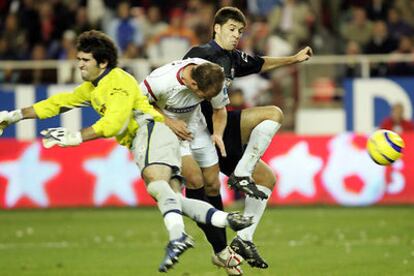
(201, 148)
(155, 143)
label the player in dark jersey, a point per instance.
(248, 132)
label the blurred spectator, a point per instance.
(173, 42)
(378, 10)
(14, 36)
(347, 4)
(7, 75)
(405, 46)
(237, 101)
(124, 29)
(260, 35)
(396, 121)
(359, 29)
(406, 9)
(397, 27)
(351, 69)
(262, 8)
(199, 17)
(151, 23)
(380, 42)
(131, 52)
(4, 8)
(38, 75)
(66, 48)
(253, 86)
(82, 23)
(29, 20)
(64, 14)
(5, 49)
(95, 12)
(292, 21)
(47, 23)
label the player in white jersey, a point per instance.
(166, 88)
(175, 89)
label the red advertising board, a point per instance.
(334, 170)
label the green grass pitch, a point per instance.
(295, 241)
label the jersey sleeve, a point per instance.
(63, 102)
(246, 64)
(147, 88)
(221, 100)
(196, 52)
(118, 112)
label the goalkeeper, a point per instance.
(127, 115)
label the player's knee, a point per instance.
(271, 182)
(264, 176)
(275, 113)
(194, 181)
(212, 187)
(212, 190)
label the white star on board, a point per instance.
(296, 170)
(27, 176)
(115, 175)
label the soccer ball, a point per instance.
(385, 147)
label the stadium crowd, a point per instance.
(46, 29)
(160, 32)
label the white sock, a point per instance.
(175, 225)
(254, 207)
(203, 212)
(259, 140)
(170, 206)
(219, 219)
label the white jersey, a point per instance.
(165, 88)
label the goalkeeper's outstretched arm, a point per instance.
(29, 113)
(53, 136)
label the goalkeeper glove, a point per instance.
(60, 136)
(9, 117)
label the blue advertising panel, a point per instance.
(19, 96)
(369, 101)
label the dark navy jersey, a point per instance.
(235, 64)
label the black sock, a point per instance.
(217, 202)
(213, 234)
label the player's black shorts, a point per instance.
(232, 141)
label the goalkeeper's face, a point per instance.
(89, 68)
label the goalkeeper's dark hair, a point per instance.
(101, 46)
(209, 78)
(225, 14)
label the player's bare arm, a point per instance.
(179, 127)
(219, 124)
(29, 113)
(275, 62)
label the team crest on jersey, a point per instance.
(102, 109)
(244, 56)
(225, 90)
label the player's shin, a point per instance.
(259, 141)
(255, 208)
(203, 212)
(170, 206)
(215, 236)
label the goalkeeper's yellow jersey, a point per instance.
(115, 96)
